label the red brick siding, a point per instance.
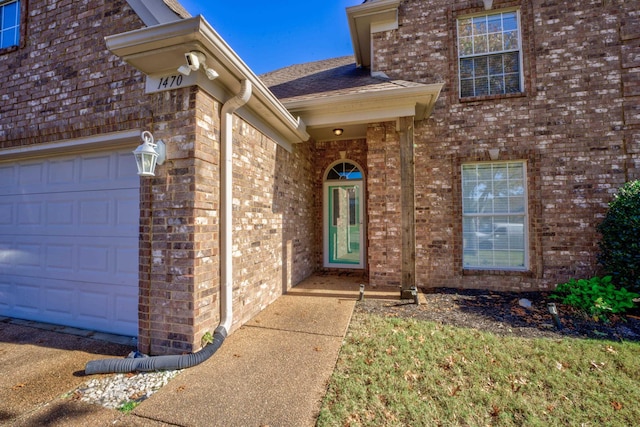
(576, 125)
(63, 83)
(273, 223)
(273, 220)
(383, 205)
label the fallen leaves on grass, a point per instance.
(616, 405)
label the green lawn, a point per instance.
(399, 372)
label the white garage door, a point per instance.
(69, 241)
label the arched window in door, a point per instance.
(344, 171)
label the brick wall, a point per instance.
(62, 82)
(576, 125)
(273, 223)
(383, 205)
(273, 208)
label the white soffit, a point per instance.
(159, 50)
(369, 107)
(368, 18)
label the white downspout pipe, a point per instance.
(157, 363)
(226, 203)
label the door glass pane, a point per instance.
(345, 225)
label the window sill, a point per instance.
(491, 97)
(495, 272)
(9, 49)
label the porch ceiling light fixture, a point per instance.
(487, 4)
(149, 154)
(195, 61)
(338, 131)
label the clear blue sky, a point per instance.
(271, 34)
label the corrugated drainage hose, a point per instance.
(157, 363)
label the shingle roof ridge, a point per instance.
(306, 68)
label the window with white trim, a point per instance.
(494, 216)
(489, 54)
(9, 23)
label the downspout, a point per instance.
(170, 362)
(226, 202)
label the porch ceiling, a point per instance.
(352, 112)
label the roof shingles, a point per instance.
(330, 77)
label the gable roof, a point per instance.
(336, 93)
(329, 77)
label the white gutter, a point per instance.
(159, 51)
(226, 202)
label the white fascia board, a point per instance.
(368, 107)
(159, 51)
(130, 138)
(366, 19)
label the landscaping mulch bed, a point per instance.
(503, 313)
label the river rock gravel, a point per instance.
(115, 390)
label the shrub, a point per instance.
(597, 297)
(620, 244)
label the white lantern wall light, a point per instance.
(149, 154)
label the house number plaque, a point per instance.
(175, 81)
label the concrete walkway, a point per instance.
(273, 371)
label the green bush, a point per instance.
(597, 297)
(620, 244)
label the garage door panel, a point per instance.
(127, 261)
(62, 171)
(81, 173)
(60, 258)
(95, 212)
(29, 213)
(69, 240)
(106, 213)
(96, 168)
(31, 174)
(59, 300)
(60, 213)
(6, 214)
(109, 308)
(98, 259)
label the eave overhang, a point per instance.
(366, 19)
(354, 111)
(159, 50)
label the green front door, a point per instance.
(343, 225)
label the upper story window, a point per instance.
(9, 23)
(489, 53)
